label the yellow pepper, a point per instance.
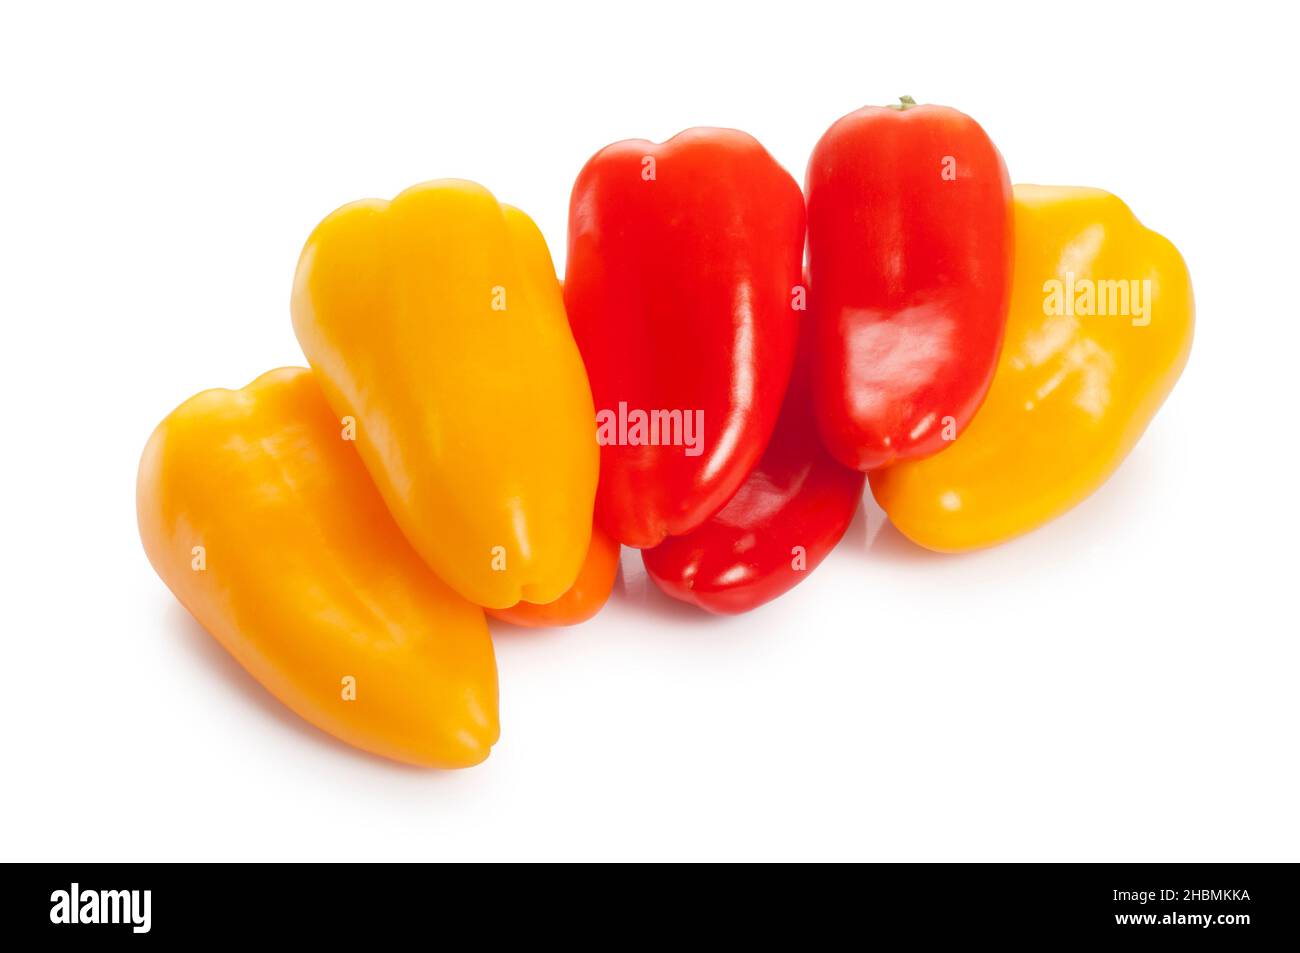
(1099, 328)
(258, 514)
(436, 325)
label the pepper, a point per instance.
(909, 259)
(585, 597)
(1100, 328)
(682, 284)
(435, 323)
(784, 520)
(257, 512)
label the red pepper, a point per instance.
(787, 516)
(682, 284)
(909, 257)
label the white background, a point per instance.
(1120, 685)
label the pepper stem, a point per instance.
(904, 103)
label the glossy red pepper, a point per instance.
(787, 516)
(682, 287)
(909, 258)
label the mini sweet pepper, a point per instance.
(909, 260)
(683, 289)
(255, 510)
(1100, 328)
(436, 325)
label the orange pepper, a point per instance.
(584, 598)
(261, 518)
